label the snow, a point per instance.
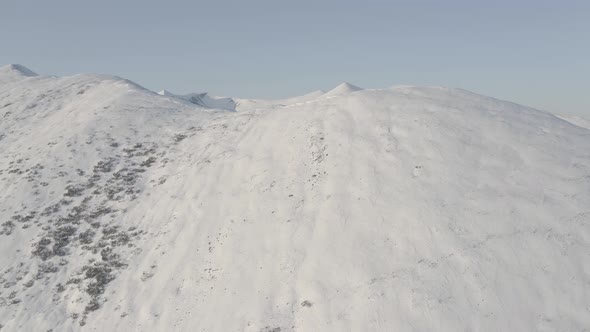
(258, 104)
(399, 209)
(342, 89)
(576, 120)
(14, 72)
(203, 99)
(243, 104)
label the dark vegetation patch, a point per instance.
(74, 190)
(105, 166)
(7, 227)
(270, 329)
(148, 162)
(82, 222)
(179, 137)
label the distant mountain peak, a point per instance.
(343, 88)
(346, 85)
(14, 73)
(17, 69)
(203, 99)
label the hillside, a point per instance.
(576, 120)
(204, 100)
(401, 209)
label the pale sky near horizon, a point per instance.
(535, 53)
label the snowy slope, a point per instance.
(14, 72)
(268, 104)
(203, 99)
(402, 209)
(576, 120)
(342, 89)
(258, 104)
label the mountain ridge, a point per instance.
(401, 209)
(342, 88)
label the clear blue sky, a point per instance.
(533, 52)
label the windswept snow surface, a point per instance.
(577, 120)
(342, 89)
(203, 99)
(14, 72)
(268, 104)
(402, 209)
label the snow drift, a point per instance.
(402, 209)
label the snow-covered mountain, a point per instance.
(14, 72)
(243, 104)
(576, 120)
(400, 209)
(203, 99)
(342, 89)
